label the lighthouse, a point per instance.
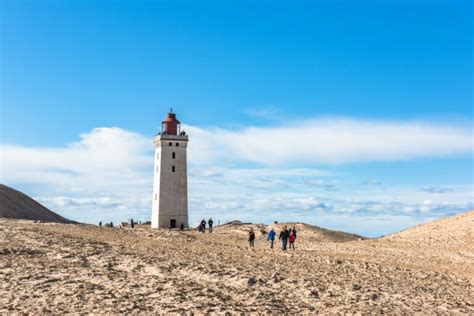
(170, 180)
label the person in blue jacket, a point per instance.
(271, 237)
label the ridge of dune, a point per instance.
(310, 232)
(456, 230)
(17, 205)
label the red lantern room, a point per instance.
(170, 125)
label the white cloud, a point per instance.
(437, 190)
(107, 174)
(320, 183)
(271, 113)
(330, 141)
(111, 156)
(372, 182)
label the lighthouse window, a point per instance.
(156, 169)
(177, 144)
(174, 155)
(155, 196)
(172, 169)
(171, 144)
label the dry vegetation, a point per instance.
(81, 268)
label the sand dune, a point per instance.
(308, 232)
(453, 231)
(15, 204)
(85, 269)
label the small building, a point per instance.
(170, 184)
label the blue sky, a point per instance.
(395, 75)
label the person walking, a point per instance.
(292, 239)
(252, 238)
(210, 222)
(132, 224)
(271, 237)
(203, 226)
(100, 224)
(284, 238)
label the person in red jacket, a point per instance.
(292, 239)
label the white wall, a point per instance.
(170, 189)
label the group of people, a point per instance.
(202, 225)
(111, 224)
(287, 236)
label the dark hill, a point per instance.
(14, 204)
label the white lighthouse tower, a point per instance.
(170, 184)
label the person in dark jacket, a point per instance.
(252, 238)
(203, 225)
(210, 222)
(284, 238)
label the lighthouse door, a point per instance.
(173, 223)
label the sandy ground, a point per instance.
(81, 268)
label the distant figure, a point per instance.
(292, 239)
(210, 222)
(100, 224)
(181, 227)
(294, 232)
(252, 238)
(271, 237)
(218, 222)
(111, 224)
(131, 223)
(203, 226)
(284, 238)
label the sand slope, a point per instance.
(15, 204)
(81, 268)
(453, 231)
(310, 233)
